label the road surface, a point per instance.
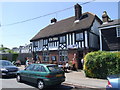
(12, 84)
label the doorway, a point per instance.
(80, 56)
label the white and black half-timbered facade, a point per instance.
(62, 40)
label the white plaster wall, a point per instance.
(95, 28)
(93, 39)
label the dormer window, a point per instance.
(84, 16)
(118, 31)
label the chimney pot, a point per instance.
(105, 17)
(53, 20)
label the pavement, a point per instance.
(78, 78)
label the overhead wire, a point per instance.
(44, 15)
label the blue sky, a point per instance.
(20, 34)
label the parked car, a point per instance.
(7, 68)
(113, 82)
(43, 75)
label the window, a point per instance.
(118, 31)
(79, 36)
(43, 69)
(39, 68)
(53, 39)
(45, 42)
(45, 56)
(62, 39)
(35, 44)
(54, 68)
(63, 56)
(84, 16)
(30, 67)
(53, 58)
(6, 63)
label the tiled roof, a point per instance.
(66, 25)
(111, 23)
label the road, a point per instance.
(12, 84)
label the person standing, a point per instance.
(27, 62)
(66, 66)
(82, 61)
(73, 63)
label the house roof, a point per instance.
(67, 25)
(111, 23)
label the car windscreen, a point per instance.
(6, 63)
(54, 68)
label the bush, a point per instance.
(100, 64)
(4, 58)
(14, 57)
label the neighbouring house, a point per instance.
(109, 34)
(63, 40)
(23, 49)
(15, 49)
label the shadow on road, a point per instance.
(57, 87)
(8, 77)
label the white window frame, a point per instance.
(62, 39)
(118, 31)
(63, 56)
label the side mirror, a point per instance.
(25, 68)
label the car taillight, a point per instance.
(49, 76)
(109, 84)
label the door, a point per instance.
(79, 58)
(26, 73)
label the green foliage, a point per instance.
(100, 64)
(4, 58)
(5, 50)
(14, 57)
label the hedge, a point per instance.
(14, 57)
(100, 64)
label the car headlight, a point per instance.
(4, 69)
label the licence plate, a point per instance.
(59, 75)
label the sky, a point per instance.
(20, 34)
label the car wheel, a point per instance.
(40, 85)
(18, 78)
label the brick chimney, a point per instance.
(105, 17)
(78, 11)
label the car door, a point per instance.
(26, 73)
(37, 73)
(33, 74)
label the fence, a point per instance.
(21, 57)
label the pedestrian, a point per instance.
(60, 65)
(66, 66)
(73, 63)
(27, 62)
(18, 63)
(82, 61)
